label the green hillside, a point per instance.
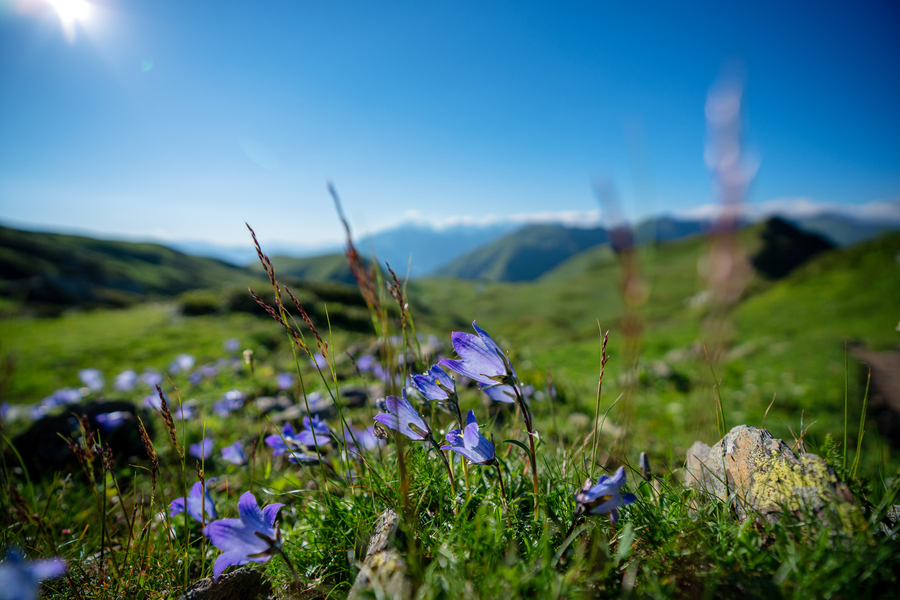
(328, 267)
(523, 255)
(66, 270)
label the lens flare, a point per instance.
(71, 12)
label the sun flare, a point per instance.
(70, 13)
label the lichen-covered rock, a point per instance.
(384, 569)
(760, 475)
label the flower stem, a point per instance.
(531, 433)
(449, 471)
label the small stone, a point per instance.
(384, 568)
(246, 583)
(268, 404)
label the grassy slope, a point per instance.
(523, 255)
(330, 267)
(65, 269)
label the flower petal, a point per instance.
(233, 535)
(270, 512)
(251, 515)
(228, 559)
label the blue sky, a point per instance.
(182, 119)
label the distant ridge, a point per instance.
(523, 255)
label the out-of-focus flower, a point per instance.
(62, 397)
(481, 359)
(20, 578)
(402, 417)
(315, 432)
(198, 504)
(284, 381)
(125, 381)
(283, 442)
(361, 439)
(153, 402)
(234, 453)
(365, 363)
(151, 378)
(252, 537)
(182, 362)
(231, 401)
(201, 450)
(92, 379)
(605, 497)
(317, 360)
(106, 422)
(470, 443)
(231, 345)
(4, 410)
(186, 411)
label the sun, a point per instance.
(71, 12)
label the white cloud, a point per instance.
(803, 207)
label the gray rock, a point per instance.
(759, 474)
(246, 583)
(268, 404)
(384, 569)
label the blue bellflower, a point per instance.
(315, 432)
(125, 381)
(252, 537)
(234, 453)
(92, 379)
(202, 450)
(481, 359)
(470, 443)
(198, 504)
(402, 417)
(436, 385)
(605, 497)
(20, 578)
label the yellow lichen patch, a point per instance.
(780, 483)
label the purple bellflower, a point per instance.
(365, 363)
(605, 497)
(125, 381)
(481, 359)
(198, 504)
(234, 453)
(92, 379)
(281, 443)
(202, 450)
(182, 362)
(252, 537)
(284, 381)
(232, 345)
(402, 417)
(315, 432)
(20, 578)
(470, 443)
(436, 385)
(151, 378)
(106, 422)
